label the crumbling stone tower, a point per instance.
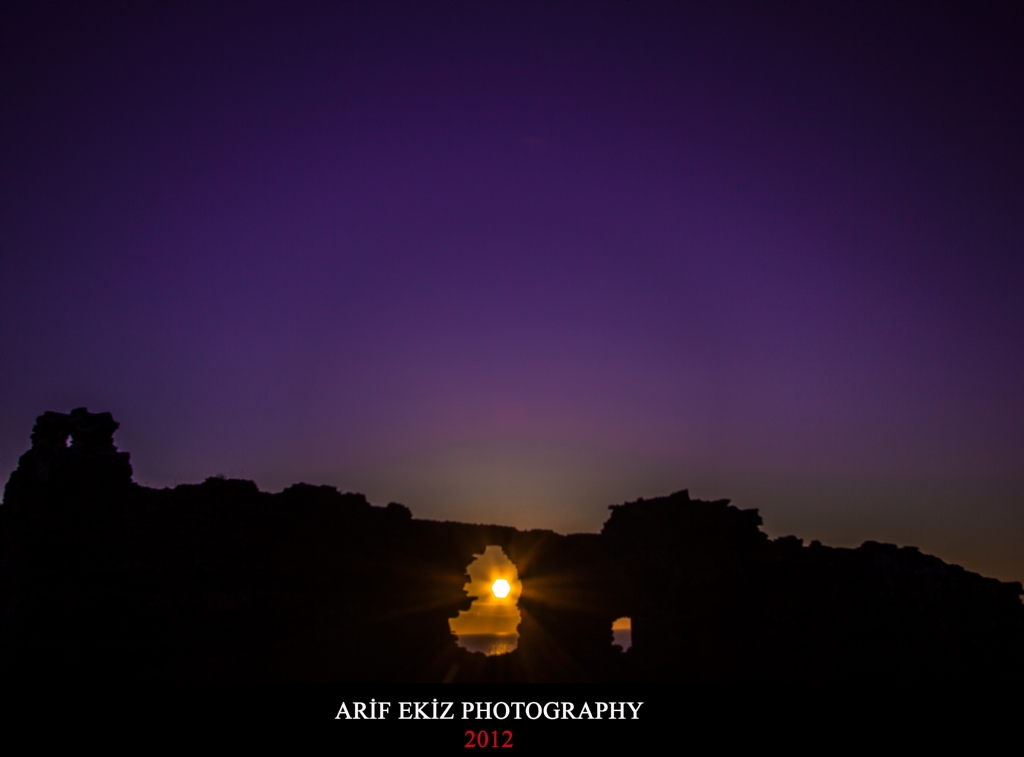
(72, 457)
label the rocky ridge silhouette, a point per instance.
(220, 581)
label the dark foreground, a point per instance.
(219, 581)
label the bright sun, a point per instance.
(501, 588)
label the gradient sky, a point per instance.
(513, 262)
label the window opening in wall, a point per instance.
(490, 624)
(622, 633)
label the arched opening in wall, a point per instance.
(490, 624)
(622, 633)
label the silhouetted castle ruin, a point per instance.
(220, 581)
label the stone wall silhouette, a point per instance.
(220, 581)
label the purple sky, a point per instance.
(514, 262)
